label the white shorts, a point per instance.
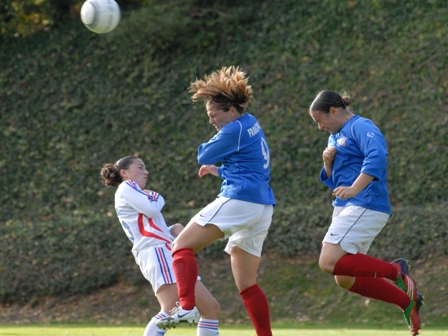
(156, 264)
(354, 228)
(246, 224)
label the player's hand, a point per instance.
(328, 155)
(208, 169)
(176, 229)
(345, 192)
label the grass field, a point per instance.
(69, 330)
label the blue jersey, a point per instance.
(243, 151)
(360, 148)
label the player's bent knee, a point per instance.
(174, 246)
(344, 281)
(326, 266)
(177, 245)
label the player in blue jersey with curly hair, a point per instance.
(244, 207)
(139, 212)
(354, 167)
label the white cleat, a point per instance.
(179, 315)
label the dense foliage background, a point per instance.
(71, 100)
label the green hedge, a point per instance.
(88, 251)
(72, 100)
(74, 255)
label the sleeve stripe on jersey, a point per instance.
(351, 128)
(152, 196)
(239, 137)
(132, 184)
(164, 268)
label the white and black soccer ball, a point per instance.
(100, 16)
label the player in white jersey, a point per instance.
(139, 212)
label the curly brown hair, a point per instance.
(110, 173)
(226, 88)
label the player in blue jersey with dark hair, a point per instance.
(354, 167)
(244, 207)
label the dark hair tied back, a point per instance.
(110, 173)
(327, 99)
(346, 100)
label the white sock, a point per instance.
(208, 327)
(152, 329)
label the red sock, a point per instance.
(186, 271)
(362, 265)
(381, 289)
(258, 308)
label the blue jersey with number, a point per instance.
(360, 148)
(243, 151)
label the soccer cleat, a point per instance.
(404, 280)
(179, 315)
(420, 301)
(411, 314)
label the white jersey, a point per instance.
(141, 217)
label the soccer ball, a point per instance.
(100, 16)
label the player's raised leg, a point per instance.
(192, 239)
(363, 274)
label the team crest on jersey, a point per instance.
(341, 141)
(153, 196)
